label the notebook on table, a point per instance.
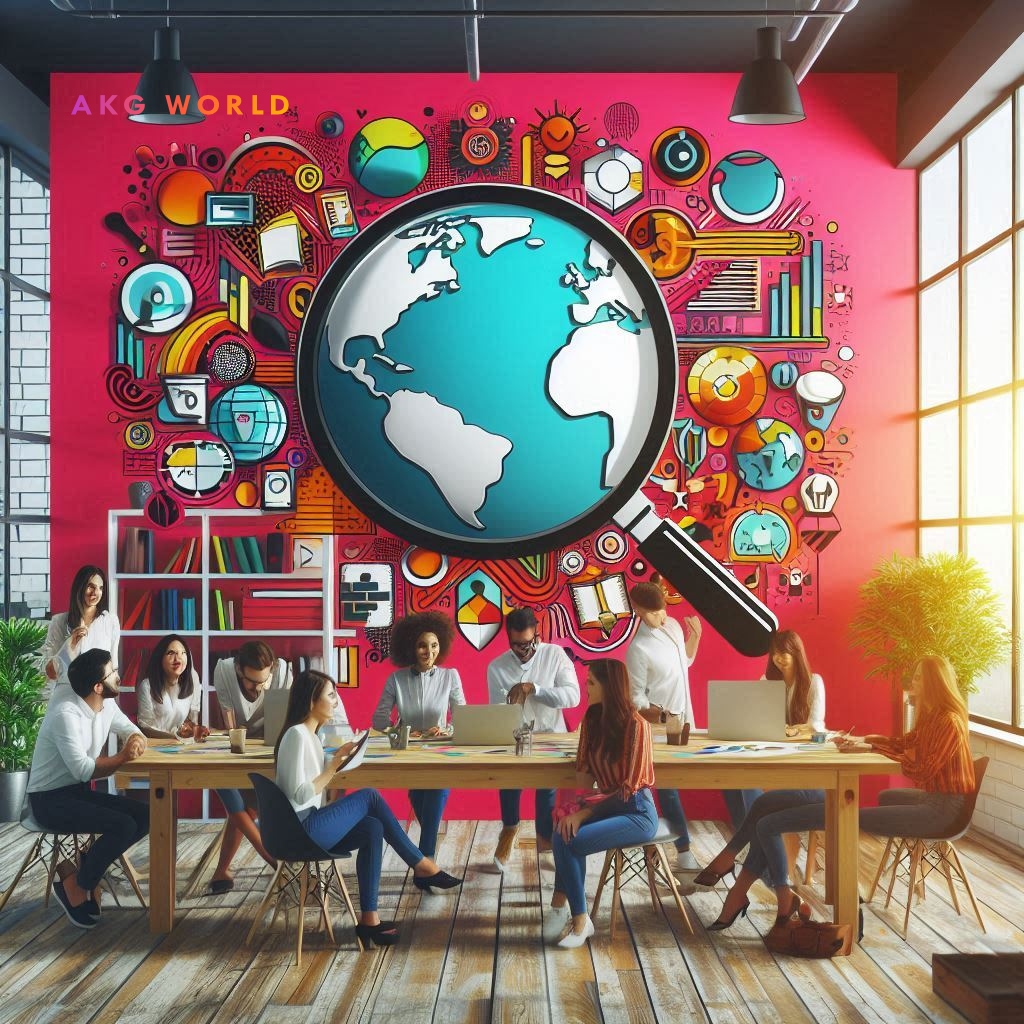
(747, 710)
(486, 725)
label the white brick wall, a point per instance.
(1000, 810)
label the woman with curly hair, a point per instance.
(423, 692)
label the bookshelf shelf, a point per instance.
(265, 632)
(160, 632)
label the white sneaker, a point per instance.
(574, 940)
(555, 921)
(685, 861)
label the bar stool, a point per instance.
(629, 862)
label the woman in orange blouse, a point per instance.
(616, 756)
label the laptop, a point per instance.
(486, 725)
(747, 710)
(275, 707)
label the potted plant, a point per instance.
(937, 604)
(22, 706)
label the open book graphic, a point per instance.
(601, 603)
(281, 244)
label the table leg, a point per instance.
(847, 849)
(830, 846)
(162, 853)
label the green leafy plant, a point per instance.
(22, 684)
(939, 604)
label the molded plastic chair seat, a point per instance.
(50, 848)
(630, 862)
(299, 874)
(930, 852)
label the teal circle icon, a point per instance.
(251, 420)
(389, 157)
(746, 187)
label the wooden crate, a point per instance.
(987, 988)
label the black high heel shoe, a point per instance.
(720, 924)
(709, 878)
(383, 934)
(437, 884)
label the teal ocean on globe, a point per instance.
(251, 420)
(487, 371)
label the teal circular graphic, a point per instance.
(784, 374)
(761, 534)
(156, 298)
(488, 369)
(251, 420)
(389, 157)
(746, 187)
(769, 453)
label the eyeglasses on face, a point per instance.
(525, 646)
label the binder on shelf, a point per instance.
(241, 555)
(252, 547)
(275, 552)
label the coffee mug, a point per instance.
(399, 739)
(818, 394)
(674, 729)
(236, 737)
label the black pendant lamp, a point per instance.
(767, 93)
(166, 76)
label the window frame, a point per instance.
(11, 283)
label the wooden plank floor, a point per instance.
(477, 957)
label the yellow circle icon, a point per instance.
(308, 177)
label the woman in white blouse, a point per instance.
(169, 697)
(360, 820)
(424, 693)
(87, 625)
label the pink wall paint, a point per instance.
(840, 159)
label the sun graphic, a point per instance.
(557, 131)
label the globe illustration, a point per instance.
(484, 366)
(769, 454)
(251, 420)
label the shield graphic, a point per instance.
(478, 617)
(244, 422)
(691, 441)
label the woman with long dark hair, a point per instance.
(615, 754)
(87, 625)
(169, 696)
(360, 820)
(423, 691)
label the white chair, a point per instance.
(649, 859)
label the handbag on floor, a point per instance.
(813, 939)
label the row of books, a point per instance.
(137, 554)
(248, 554)
(185, 559)
(161, 609)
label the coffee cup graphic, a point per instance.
(818, 394)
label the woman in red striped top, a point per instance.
(616, 756)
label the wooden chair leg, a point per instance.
(650, 862)
(881, 868)
(902, 850)
(967, 885)
(339, 884)
(602, 881)
(303, 890)
(197, 880)
(267, 896)
(30, 858)
(666, 871)
(811, 864)
(324, 896)
(915, 860)
(130, 873)
(616, 897)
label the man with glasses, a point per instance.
(68, 756)
(541, 678)
(241, 683)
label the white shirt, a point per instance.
(423, 700)
(815, 703)
(168, 714)
(71, 737)
(658, 669)
(300, 759)
(230, 695)
(554, 680)
(104, 633)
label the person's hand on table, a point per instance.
(200, 732)
(434, 730)
(852, 745)
(519, 693)
(186, 729)
(134, 747)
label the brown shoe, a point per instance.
(506, 844)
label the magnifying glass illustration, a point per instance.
(490, 371)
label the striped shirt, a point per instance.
(936, 754)
(625, 775)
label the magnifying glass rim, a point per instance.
(431, 203)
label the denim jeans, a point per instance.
(738, 802)
(428, 806)
(119, 822)
(912, 812)
(615, 822)
(361, 821)
(672, 811)
(767, 854)
(544, 800)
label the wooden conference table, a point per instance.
(551, 765)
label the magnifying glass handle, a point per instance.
(717, 596)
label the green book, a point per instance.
(218, 602)
(252, 546)
(241, 557)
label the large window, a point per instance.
(24, 388)
(971, 373)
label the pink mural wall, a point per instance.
(785, 256)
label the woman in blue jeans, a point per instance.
(616, 755)
(359, 821)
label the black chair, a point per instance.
(299, 874)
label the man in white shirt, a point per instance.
(541, 678)
(68, 756)
(241, 683)
(658, 661)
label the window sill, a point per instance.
(1011, 739)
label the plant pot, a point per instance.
(12, 794)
